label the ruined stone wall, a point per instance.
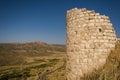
(90, 38)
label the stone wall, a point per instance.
(90, 38)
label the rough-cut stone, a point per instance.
(90, 38)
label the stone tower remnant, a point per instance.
(90, 38)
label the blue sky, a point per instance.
(44, 20)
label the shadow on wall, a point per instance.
(110, 71)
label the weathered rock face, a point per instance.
(90, 38)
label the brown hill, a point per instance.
(14, 53)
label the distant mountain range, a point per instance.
(13, 53)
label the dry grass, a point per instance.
(57, 75)
(28, 61)
(30, 71)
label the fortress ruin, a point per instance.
(90, 38)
